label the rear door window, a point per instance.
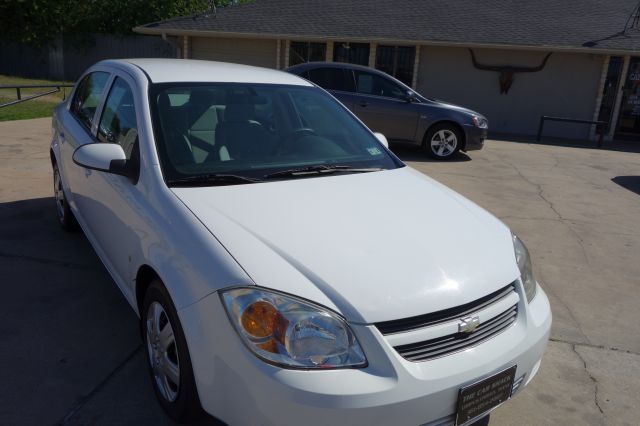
(87, 97)
(332, 79)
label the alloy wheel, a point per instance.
(58, 192)
(163, 353)
(444, 143)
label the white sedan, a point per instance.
(287, 268)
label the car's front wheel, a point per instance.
(442, 141)
(168, 356)
(65, 216)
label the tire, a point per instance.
(442, 141)
(66, 219)
(168, 357)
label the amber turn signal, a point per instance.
(259, 319)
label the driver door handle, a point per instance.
(364, 103)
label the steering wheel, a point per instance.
(300, 133)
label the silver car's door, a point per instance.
(382, 105)
(75, 127)
(113, 205)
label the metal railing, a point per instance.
(601, 129)
(55, 88)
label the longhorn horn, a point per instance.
(484, 67)
(534, 69)
(503, 68)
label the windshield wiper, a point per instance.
(320, 169)
(211, 179)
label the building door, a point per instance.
(629, 119)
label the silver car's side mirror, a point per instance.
(103, 157)
(382, 139)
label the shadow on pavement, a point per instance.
(621, 146)
(414, 153)
(70, 340)
(632, 183)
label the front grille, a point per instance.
(407, 324)
(445, 345)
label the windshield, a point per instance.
(256, 131)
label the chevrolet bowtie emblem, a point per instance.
(468, 325)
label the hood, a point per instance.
(374, 246)
(458, 108)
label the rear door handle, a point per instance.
(363, 103)
(87, 172)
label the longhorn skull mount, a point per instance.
(507, 72)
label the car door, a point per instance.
(337, 81)
(75, 128)
(113, 206)
(382, 105)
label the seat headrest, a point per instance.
(163, 102)
(203, 98)
(239, 112)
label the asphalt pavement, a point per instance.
(71, 352)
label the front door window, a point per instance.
(629, 119)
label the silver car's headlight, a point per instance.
(290, 332)
(526, 271)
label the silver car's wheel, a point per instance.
(163, 352)
(444, 143)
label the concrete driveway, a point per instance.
(71, 353)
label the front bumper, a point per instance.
(238, 388)
(474, 137)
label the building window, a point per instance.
(352, 53)
(397, 61)
(302, 51)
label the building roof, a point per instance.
(592, 25)
(165, 70)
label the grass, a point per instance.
(35, 108)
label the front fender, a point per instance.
(188, 259)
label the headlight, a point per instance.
(526, 271)
(480, 122)
(290, 332)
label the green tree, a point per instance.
(38, 22)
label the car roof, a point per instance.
(164, 70)
(312, 65)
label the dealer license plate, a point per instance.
(479, 398)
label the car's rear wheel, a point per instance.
(65, 216)
(442, 141)
(168, 356)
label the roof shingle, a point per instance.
(568, 24)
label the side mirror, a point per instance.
(411, 96)
(382, 139)
(104, 157)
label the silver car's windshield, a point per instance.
(225, 133)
